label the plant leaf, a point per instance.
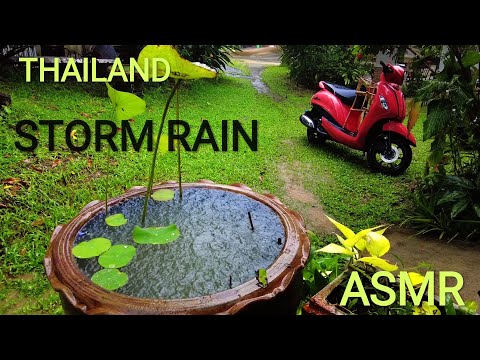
(382, 231)
(471, 58)
(439, 114)
(180, 68)
(345, 230)
(470, 307)
(430, 309)
(262, 278)
(91, 248)
(378, 262)
(116, 220)
(452, 196)
(413, 109)
(449, 308)
(117, 256)
(163, 195)
(155, 235)
(110, 279)
(477, 209)
(459, 206)
(377, 244)
(126, 105)
(335, 249)
(415, 278)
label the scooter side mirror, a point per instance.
(386, 68)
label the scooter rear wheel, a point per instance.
(393, 161)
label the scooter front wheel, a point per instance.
(393, 160)
(314, 137)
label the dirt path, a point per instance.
(410, 248)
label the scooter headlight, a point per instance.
(383, 102)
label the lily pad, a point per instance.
(116, 220)
(91, 248)
(163, 195)
(117, 256)
(156, 235)
(110, 279)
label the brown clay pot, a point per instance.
(282, 295)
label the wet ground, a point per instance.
(411, 249)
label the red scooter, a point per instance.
(368, 118)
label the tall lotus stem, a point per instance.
(179, 162)
(155, 151)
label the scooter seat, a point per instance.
(345, 94)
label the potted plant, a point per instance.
(370, 284)
(175, 248)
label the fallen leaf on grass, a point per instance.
(73, 135)
(56, 162)
(3, 206)
(88, 116)
(89, 162)
(39, 222)
(37, 169)
(15, 181)
(23, 251)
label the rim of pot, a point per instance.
(67, 278)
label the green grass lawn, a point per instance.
(54, 185)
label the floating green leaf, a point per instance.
(91, 248)
(117, 256)
(155, 235)
(163, 195)
(126, 104)
(262, 278)
(116, 220)
(110, 279)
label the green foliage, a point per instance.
(156, 235)
(448, 201)
(448, 205)
(215, 56)
(308, 64)
(117, 256)
(469, 308)
(110, 279)
(116, 220)
(126, 105)
(91, 248)
(377, 245)
(411, 88)
(163, 195)
(321, 268)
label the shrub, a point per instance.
(215, 56)
(308, 64)
(453, 123)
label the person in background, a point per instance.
(104, 52)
